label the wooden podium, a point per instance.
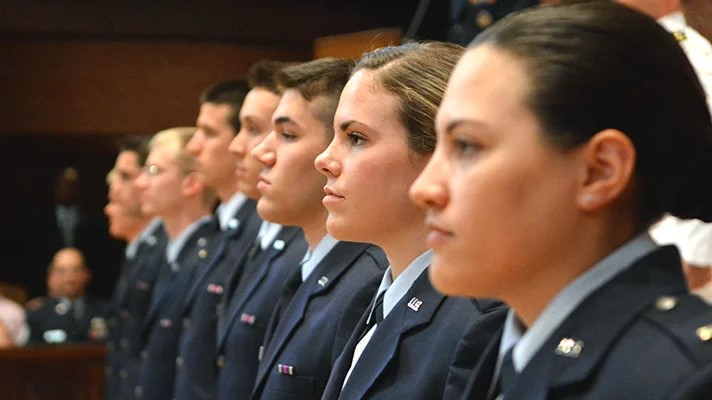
(71, 372)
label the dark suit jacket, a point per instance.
(317, 323)
(636, 342)
(52, 321)
(195, 365)
(130, 303)
(162, 325)
(243, 324)
(410, 350)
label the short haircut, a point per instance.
(321, 79)
(136, 144)
(231, 93)
(263, 74)
(176, 139)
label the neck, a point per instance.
(226, 191)
(315, 229)
(405, 246)
(175, 224)
(136, 229)
(560, 267)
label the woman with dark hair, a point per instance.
(564, 133)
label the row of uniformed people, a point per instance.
(526, 200)
(266, 331)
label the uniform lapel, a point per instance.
(343, 362)
(324, 276)
(414, 310)
(265, 260)
(187, 259)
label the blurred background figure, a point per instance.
(68, 315)
(692, 237)
(470, 17)
(13, 327)
(146, 244)
(66, 223)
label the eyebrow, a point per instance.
(284, 120)
(346, 124)
(457, 122)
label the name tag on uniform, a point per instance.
(247, 319)
(165, 323)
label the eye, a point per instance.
(355, 139)
(252, 130)
(288, 136)
(464, 147)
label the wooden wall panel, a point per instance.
(352, 45)
(115, 87)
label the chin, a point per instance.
(269, 211)
(446, 280)
(336, 228)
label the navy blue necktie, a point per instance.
(507, 373)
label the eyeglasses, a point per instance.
(152, 170)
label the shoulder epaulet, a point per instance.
(688, 319)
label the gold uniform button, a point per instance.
(704, 333)
(680, 36)
(202, 253)
(220, 362)
(666, 303)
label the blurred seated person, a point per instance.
(13, 327)
(67, 315)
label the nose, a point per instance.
(237, 146)
(141, 181)
(264, 152)
(326, 163)
(430, 189)
(195, 144)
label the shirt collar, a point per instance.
(313, 257)
(396, 289)
(268, 231)
(673, 22)
(227, 210)
(175, 246)
(143, 236)
(527, 344)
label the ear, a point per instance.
(192, 184)
(609, 158)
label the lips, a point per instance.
(330, 192)
(263, 184)
(239, 170)
(437, 235)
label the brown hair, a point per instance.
(416, 73)
(263, 74)
(322, 79)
